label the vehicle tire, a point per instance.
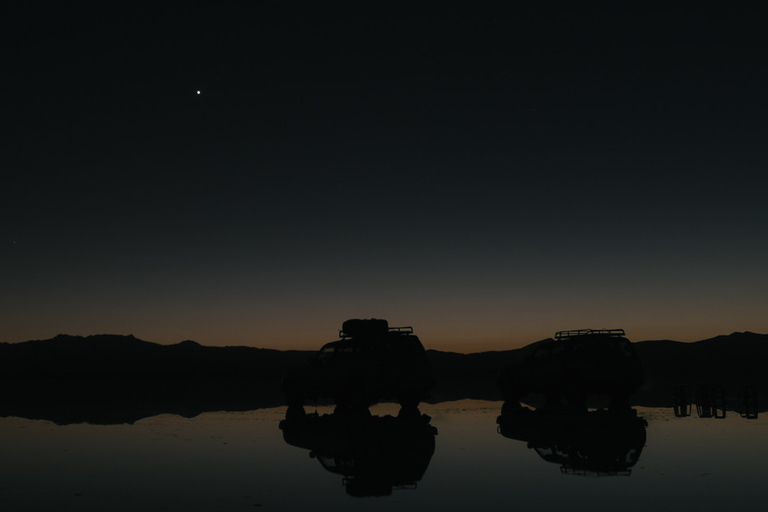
(409, 398)
(295, 412)
(511, 408)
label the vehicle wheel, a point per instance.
(509, 408)
(295, 412)
(409, 399)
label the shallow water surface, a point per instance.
(242, 461)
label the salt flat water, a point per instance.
(453, 459)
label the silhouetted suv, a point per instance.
(371, 361)
(573, 365)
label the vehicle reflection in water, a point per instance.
(374, 454)
(595, 443)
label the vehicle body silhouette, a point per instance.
(370, 362)
(591, 443)
(374, 454)
(572, 366)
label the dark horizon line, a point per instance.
(190, 342)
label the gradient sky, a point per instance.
(487, 180)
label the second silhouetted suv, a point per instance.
(576, 364)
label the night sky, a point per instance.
(488, 179)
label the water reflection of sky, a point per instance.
(239, 461)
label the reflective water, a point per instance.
(241, 461)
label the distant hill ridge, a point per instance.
(120, 355)
(130, 339)
(111, 355)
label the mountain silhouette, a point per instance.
(116, 356)
(104, 379)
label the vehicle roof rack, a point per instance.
(584, 332)
(399, 330)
